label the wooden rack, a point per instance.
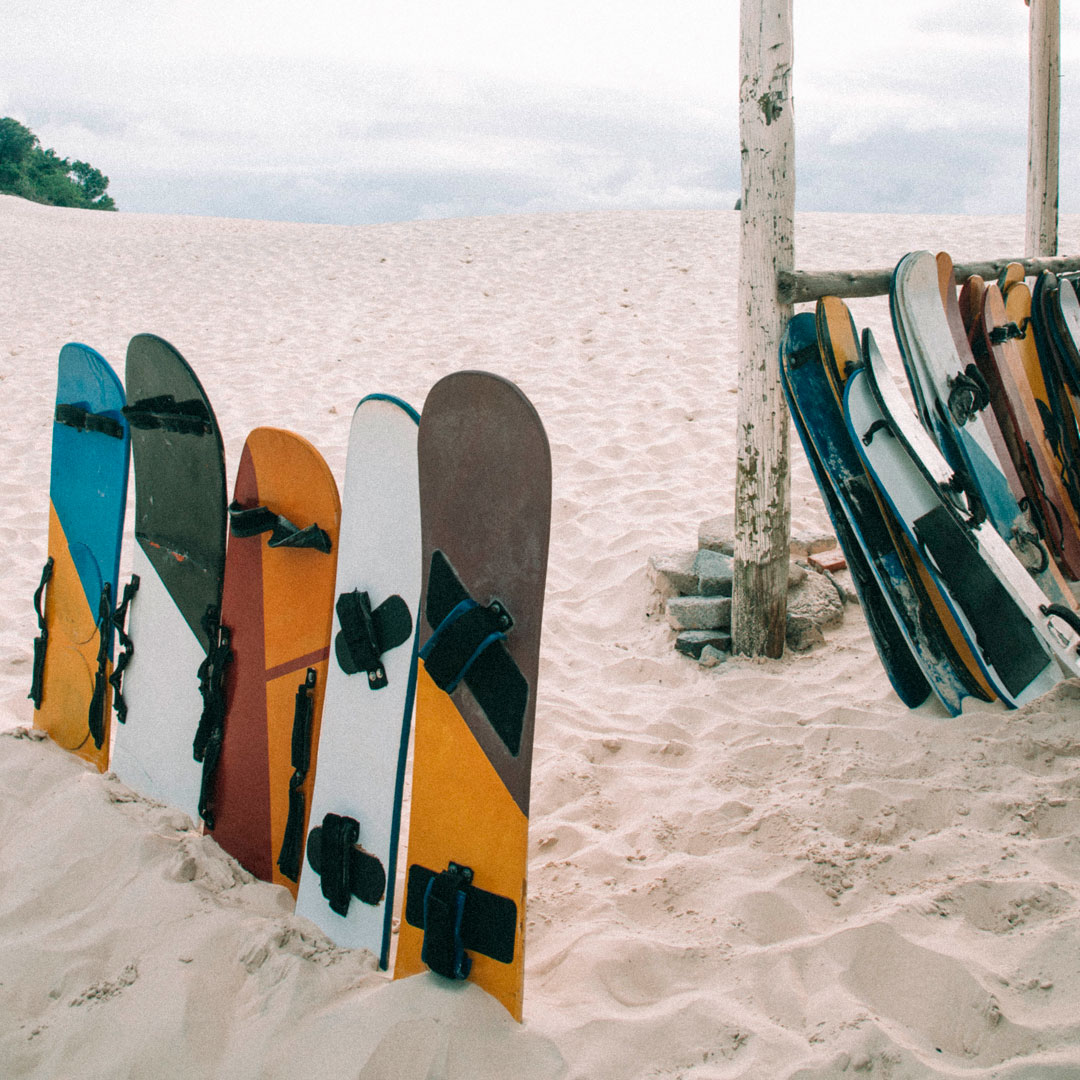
(769, 286)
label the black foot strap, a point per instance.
(211, 731)
(96, 718)
(968, 394)
(292, 842)
(127, 648)
(164, 412)
(467, 646)
(283, 533)
(457, 916)
(42, 640)
(81, 418)
(345, 869)
(366, 635)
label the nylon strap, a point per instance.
(42, 640)
(82, 419)
(165, 413)
(444, 912)
(467, 645)
(283, 533)
(96, 719)
(211, 731)
(339, 836)
(127, 648)
(293, 841)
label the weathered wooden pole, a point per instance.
(1044, 109)
(762, 476)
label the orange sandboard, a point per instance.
(277, 604)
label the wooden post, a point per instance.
(1044, 107)
(762, 474)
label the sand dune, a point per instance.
(763, 869)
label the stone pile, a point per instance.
(692, 589)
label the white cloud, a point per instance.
(409, 106)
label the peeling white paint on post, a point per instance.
(762, 477)
(1044, 109)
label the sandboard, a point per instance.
(921, 614)
(966, 342)
(1012, 396)
(1062, 392)
(178, 654)
(842, 354)
(78, 591)
(861, 531)
(277, 603)
(347, 883)
(1016, 631)
(953, 396)
(485, 496)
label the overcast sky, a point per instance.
(359, 111)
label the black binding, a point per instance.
(127, 648)
(968, 394)
(1066, 614)
(211, 731)
(874, 428)
(82, 419)
(292, 842)
(366, 634)
(1007, 332)
(252, 521)
(164, 412)
(457, 916)
(96, 718)
(468, 645)
(42, 640)
(345, 869)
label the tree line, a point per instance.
(29, 170)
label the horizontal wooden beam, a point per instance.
(803, 286)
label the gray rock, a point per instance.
(711, 656)
(674, 572)
(671, 575)
(700, 612)
(714, 573)
(718, 534)
(695, 642)
(813, 605)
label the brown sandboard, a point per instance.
(485, 499)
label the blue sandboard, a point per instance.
(88, 496)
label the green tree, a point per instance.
(32, 172)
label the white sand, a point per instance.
(770, 869)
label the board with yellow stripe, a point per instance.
(77, 595)
(485, 498)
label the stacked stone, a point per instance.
(693, 590)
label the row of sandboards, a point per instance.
(957, 506)
(265, 657)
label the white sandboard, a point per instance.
(365, 732)
(931, 356)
